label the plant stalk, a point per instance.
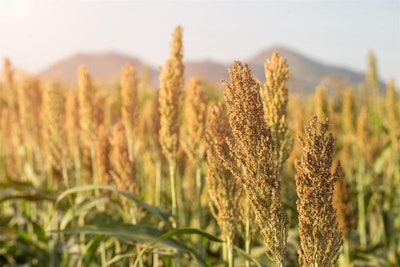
(172, 166)
(247, 231)
(229, 245)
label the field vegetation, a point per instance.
(189, 175)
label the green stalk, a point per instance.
(247, 235)
(65, 173)
(157, 201)
(346, 250)
(224, 252)
(81, 246)
(229, 245)
(133, 213)
(362, 231)
(131, 150)
(77, 166)
(280, 263)
(103, 257)
(344, 258)
(179, 200)
(172, 165)
(199, 186)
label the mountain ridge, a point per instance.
(305, 72)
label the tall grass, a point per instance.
(126, 175)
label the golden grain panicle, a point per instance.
(342, 202)
(103, 155)
(53, 110)
(225, 191)
(275, 96)
(124, 171)
(195, 114)
(255, 166)
(129, 108)
(86, 93)
(320, 236)
(171, 83)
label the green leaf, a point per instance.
(23, 190)
(146, 234)
(131, 233)
(184, 231)
(247, 256)
(81, 208)
(163, 215)
(91, 251)
(118, 258)
(381, 161)
(178, 232)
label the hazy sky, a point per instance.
(36, 33)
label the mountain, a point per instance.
(104, 67)
(209, 70)
(305, 73)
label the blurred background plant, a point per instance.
(125, 181)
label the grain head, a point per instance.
(253, 151)
(171, 83)
(320, 237)
(274, 95)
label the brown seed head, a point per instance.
(320, 236)
(225, 191)
(53, 110)
(253, 150)
(87, 121)
(124, 173)
(103, 155)
(372, 78)
(9, 86)
(274, 95)
(71, 123)
(342, 203)
(368, 143)
(171, 82)
(348, 112)
(23, 112)
(8, 73)
(129, 95)
(393, 113)
(321, 103)
(195, 113)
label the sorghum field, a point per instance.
(190, 175)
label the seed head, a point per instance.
(124, 173)
(195, 114)
(53, 109)
(171, 82)
(342, 203)
(129, 95)
(274, 95)
(225, 191)
(320, 236)
(253, 150)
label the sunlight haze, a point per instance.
(35, 34)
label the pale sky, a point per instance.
(36, 33)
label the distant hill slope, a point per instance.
(305, 73)
(105, 67)
(209, 70)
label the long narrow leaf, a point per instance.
(183, 231)
(163, 215)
